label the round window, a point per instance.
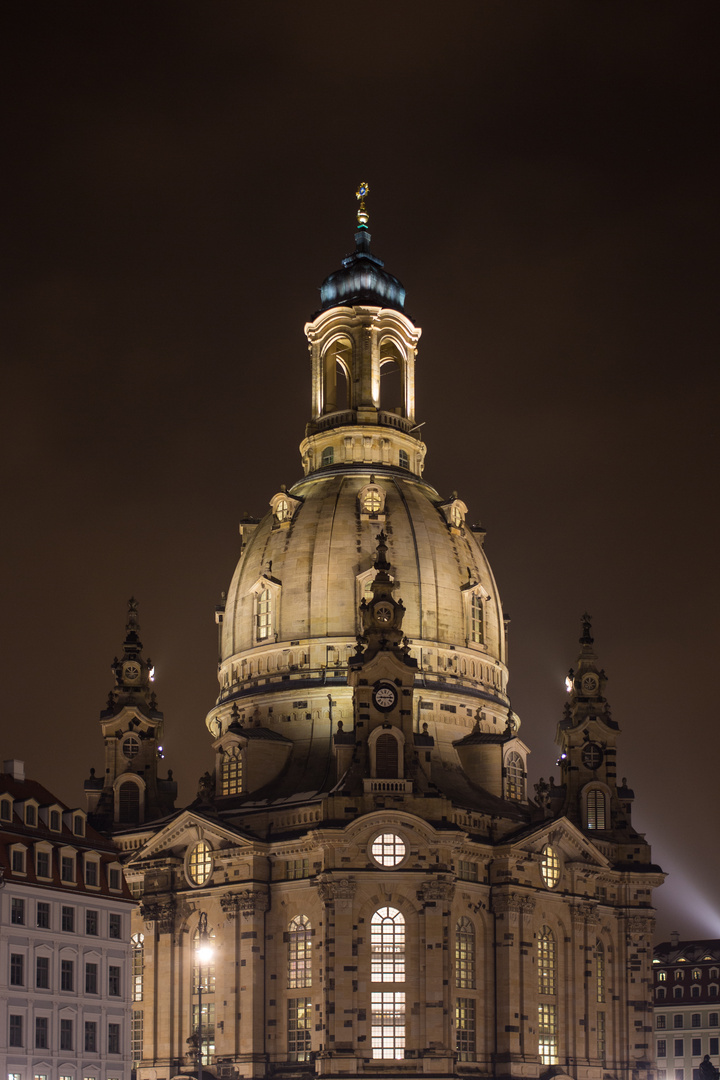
(131, 747)
(372, 501)
(550, 866)
(388, 849)
(200, 863)
(592, 756)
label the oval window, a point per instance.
(131, 747)
(550, 866)
(200, 864)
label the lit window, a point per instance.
(547, 1034)
(372, 501)
(388, 849)
(550, 866)
(299, 1028)
(299, 959)
(514, 776)
(207, 1030)
(231, 772)
(697, 974)
(263, 616)
(546, 962)
(465, 953)
(662, 976)
(387, 946)
(465, 1029)
(477, 619)
(136, 1036)
(328, 456)
(282, 510)
(296, 869)
(596, 809)
(600, 970)
(200, 863)
(204, 971)
(137, 942)
(388, 1024)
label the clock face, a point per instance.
(590, 683)
(592, 756)
(385, 697)
(383, 612)
(131, 672)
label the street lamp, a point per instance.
(203, 955)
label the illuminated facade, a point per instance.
(386, 896)
(64, 957)
(687, 1007)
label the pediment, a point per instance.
(561, 834)
(186, 829)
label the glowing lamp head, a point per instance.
(204, 952)
(568, 683)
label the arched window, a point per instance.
(138, 965)
(387, 965)
(129, 803)
(514, 776)
(299, 946)
(694, 991)
(546, 961)
(465, 954)
(231, 772)
(661, 993)
(387, 945)
(677, 992)
(386, 756)
(600, 970)
(263, 615)
(477, 619)
(596, 809)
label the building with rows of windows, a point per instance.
(687, 1007)
(65, 919)
(380, 892)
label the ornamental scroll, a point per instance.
(247, 902)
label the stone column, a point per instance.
(513, 993)
(248, 907)
(433, 1035)
(340, 978)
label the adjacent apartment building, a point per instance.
(64, 940)
(687, 1006)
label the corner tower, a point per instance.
(130, 792)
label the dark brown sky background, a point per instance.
(179, 178)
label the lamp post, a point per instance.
(203, 953)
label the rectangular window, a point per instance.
(17, 911)
(18, 861)
(16, 1031)
(601, 1037)
(67, 974)
(468, 871)
(713, 1020)
(91, 978)
(42, 972)
(113, 1039)
(695, 1047)
(547, 1034)
(465, 1029)
(115, 926)
(67, 868)
(678, 1020)
(91, 923)
(91, 1037)
(662, 1048)
(114, 879)
(42, 864)
(114, 981)
(91, 873)
(679, 1074)
(41, 1032)
(136, 1036)
(387, 1031)
(66, 1034)
(55, 820)
(679, 1049)
(695, 1020)
(43, 915)
(714, 1046)
(296, 869)
(660, 1023)
(662, 1074)
(68, 919)
(207, 1031)
(299, 1028)
(17, 969)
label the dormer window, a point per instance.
(477, 619)
(78, 825)
(265, 614)
(282, 510)
(514, 776)
(18, 857)
(30, 814)
(55, 821)
(231, 772)
(454, 511)
(5, 810)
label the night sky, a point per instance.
(179, 178)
